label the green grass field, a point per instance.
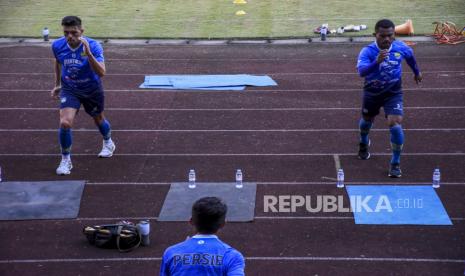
(217, 19)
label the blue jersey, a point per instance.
(202, 255)
(77, 75)
(386, 76)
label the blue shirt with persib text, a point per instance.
(386, 76)
(77, 75)
(202, 255)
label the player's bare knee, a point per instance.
(66, 123)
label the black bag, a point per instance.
(123, 236)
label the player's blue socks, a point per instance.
(66, 140)
(397, 141)
(365, 127)
(105, 129)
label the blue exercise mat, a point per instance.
(206, 82)
(383, 204)
(162, 80)
(235, 88)
(221, 80)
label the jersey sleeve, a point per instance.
(410, 59)
(54, 50)
(165, 265)
(97, 51)
(235, 263)
(365, 63)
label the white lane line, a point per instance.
(247, 90)
(133, 183)
(249, 258)
(346, 182)
(263, 73)
(277, 183)
(355, 259)
(233, 130)
(79, 260)
(337, 165)
(337, 162)
(348, 59)
(238, 154)
(230, 109)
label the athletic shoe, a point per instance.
(395, 171)
(65, 167)
(107, 149)
(363, 152)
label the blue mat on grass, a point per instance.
(383, 204)
(206, 82)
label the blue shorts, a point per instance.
(390, 102)
(93, 102)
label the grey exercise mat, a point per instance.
(178, 202)
(40, 200)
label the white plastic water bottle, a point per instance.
(45, 33)
(436, 178)
(239, 179)
(192, 179)
(340, 178)
(144, 229)
(323, 31)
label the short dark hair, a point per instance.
(385, 24)
(71, 21)
(209, 214)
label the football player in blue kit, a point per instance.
(79, 65)
(204, 253)
(380, 64)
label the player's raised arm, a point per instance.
(368, 62)
(98, 65)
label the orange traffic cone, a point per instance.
(405, 29)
